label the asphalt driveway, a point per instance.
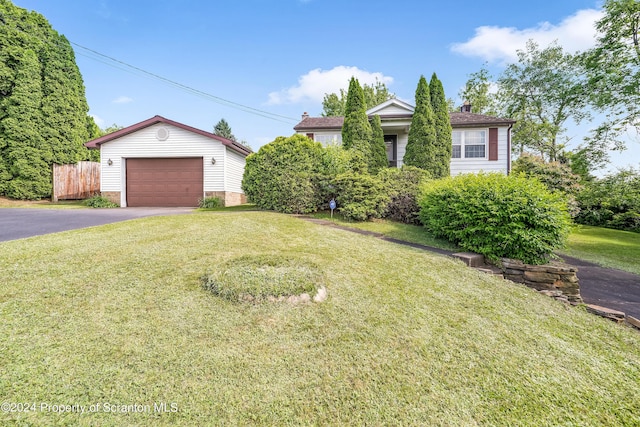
(21, 223)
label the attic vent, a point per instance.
(162, 134)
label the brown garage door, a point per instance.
(164, 182)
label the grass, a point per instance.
(392, 229)
(117, 315)
(237, 208)
(45, 203)
(606, 247)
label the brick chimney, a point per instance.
(305, 115)
(466, 107)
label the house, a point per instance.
(160, 162)
(480, 143)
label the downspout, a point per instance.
(509, 149)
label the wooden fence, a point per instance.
(79, 181)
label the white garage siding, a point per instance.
(235, 169)
(145, 144)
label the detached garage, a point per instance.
(159, 162)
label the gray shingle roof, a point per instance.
(458, 119)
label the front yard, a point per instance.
(115, 316)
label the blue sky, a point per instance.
(282, 56)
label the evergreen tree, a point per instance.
(356, 130)
(43, 109)
(64, 106)
(223, 129)
(421, 146)
(442, 123)
(378, 157)
(23, 152)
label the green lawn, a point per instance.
(45, 203)
(116, 315)
(606, 247)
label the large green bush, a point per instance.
(613, 201)
(403, 186)
(282, 175)
(555, 176)
(496, 215)
(360, 196)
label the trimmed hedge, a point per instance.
(496, 215)
(403, 187)
(281, 175)
(360, 196)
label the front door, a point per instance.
(391, 142)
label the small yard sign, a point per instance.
(332, 205)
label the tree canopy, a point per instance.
(614, 72)
(43, 109)
(374, 94)
(223, 129)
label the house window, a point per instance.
(469, 144)
(331, 138)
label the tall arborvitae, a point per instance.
(43, 109)
(64, 105)
(23, 147)
(378, 157)
(421, 146)
(356, 130)
(442, 123)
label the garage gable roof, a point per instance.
(235, 146)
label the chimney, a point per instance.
(466, 107)
(305, 115)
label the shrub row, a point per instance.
(496, 215)
(297, 175)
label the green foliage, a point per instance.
(356, 130)
(98, 201)
(281, 175)
(442, 125)
(403, 188)
(542, 92)
(255, 278)
(555, 175)
(496, 215)
(613, 201)
(377, 159)
(223, 129)
(477, 92)
(421, 150)
(374, 94)
(210, 203)
(614, 72)
(360, 196)
(43, 110)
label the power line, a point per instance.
(116, 63)
(101, 57)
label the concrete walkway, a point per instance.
(605, 287)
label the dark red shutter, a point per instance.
(493, 144)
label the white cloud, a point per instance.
(313, 85)
(122, 100)
(499, 44)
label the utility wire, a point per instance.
(100, 57)
(121, 65)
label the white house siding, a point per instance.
(144, 144)
(235, 170)
(403, 138)
(459, 166)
